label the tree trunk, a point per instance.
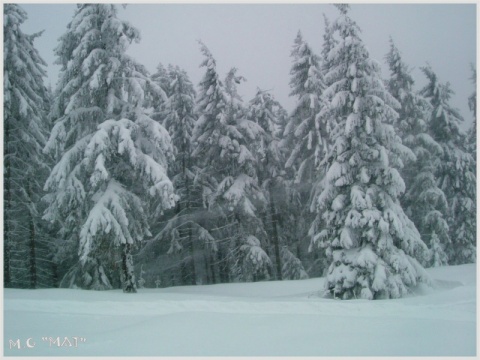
(192, 252)
(7, 277)
(127, 267)
(188, 206)
(55, 275)
(221, 263)
(212, 269)
(184, 272)
(6, 260)
(31, 245)
(224, 266)
(33, 258)
(276, 240)
(207, 267)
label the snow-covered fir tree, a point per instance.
(472, 104)
(110, 175)
(266, 112)
(455, 170)
(373, 246)
(26, 250)
(304, 134)
(179, 119)
(472, 134)
(223, 138)
(179, 226)
(438, 255)
(424, 202)
(305, 137)
(292, 268)
(329, 42)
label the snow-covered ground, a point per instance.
(255, 319)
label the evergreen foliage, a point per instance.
(303, 133)
(371, 243)
(110, 175)
(179, 226)
(292, 268)
(223, 136)
(455, 170)
(364, 182)
(472, 104)
(27, 260)
(305, 137)
(267, 112)
(424, 201)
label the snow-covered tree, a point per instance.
(455, 170)
(439, 257)
(305, 137)
(292, 268)
(178, 117)
(266, 112)
(252, 262)
(141, 280)
(424, 202)
(372, 245)
(329, 42)
(25, 168)
(110, 175)
(223, 138)
(179, 226)
(304, 134)
(472, 104)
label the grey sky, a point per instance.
(257, 39)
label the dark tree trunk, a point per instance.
(7, 276)
(31, 245)
(55, 275)
(6, 261)
(188, 208)
(207, 268)
(223, 265)
(192, 252)
(127, 267)
(33, 258)
(184, 274)
(276, 240)
(212, 268)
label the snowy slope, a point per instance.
(253, 319)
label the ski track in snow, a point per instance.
(444, 317)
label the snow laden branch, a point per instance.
(111, 174)
(372, 245)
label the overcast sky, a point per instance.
(257, 39)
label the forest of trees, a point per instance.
(122, 179)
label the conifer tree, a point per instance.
(329, 42)
(180, 226)
(424, 202)
(304, 133)
(455, 170)
(292, 267)
(110, 175)
(179, 120)
(371, 243)
(472, 104)
(223, 136)
(266, 112)
(305, 137)
(25, 167)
